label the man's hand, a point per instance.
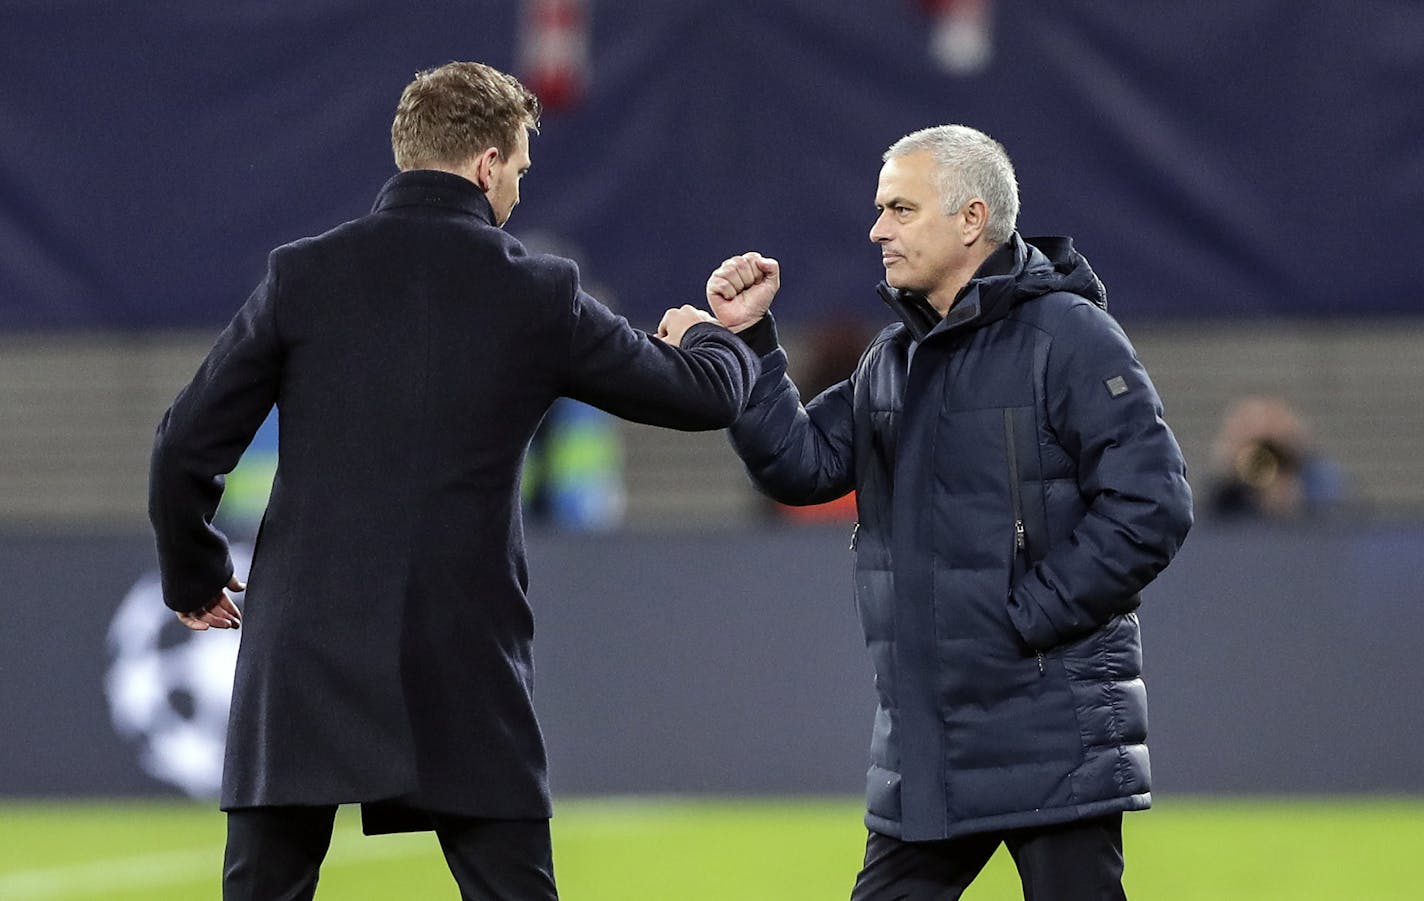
(220, 613)
(677, 321)
(741, 289)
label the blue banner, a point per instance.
(1212, 160)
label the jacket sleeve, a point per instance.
(702, 385)
(1107, 415)
(797, 455)
(200, 439)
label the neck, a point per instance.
(468, 172)
(943, 297)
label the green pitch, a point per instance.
(726, 850)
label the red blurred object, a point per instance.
(841, 509)
(554, 50)
(961, 38)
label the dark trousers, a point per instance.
(1080, 861)
(275, 854)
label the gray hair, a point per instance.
(968, 164)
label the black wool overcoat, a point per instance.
(386, 639)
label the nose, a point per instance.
(878, 231)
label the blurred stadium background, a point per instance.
(1247, 178)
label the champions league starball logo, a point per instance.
(169, 687)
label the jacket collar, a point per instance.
(1020, 270)
(431, 187)
(987, 296)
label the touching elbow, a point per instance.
(730, 404)
(731, 411)
(716, 418)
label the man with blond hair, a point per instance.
(386, 657)
(1016, 488)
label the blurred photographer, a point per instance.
(1267, 466)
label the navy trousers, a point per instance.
(1079, 861)
(275, 854)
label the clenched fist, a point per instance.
(741, 289)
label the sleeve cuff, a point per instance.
(761, 337)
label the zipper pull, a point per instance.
(854, 535)
(1039, 655)
(1019, 541)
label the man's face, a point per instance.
(505, 173)
(921, 246)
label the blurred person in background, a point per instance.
(247, 488)
(1266, 465)
(387, 640)
(573, 477)
(573, 470)
(1016, 489)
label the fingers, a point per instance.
(226, 607)
(220, 613)
(203, 620)
(192, 622)
(678, 320)
(742, 271)
(770, 269)
(718, 288)
(684, 315)
(737, 274)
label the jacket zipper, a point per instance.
(854, 535)
(1020, 541)
(1016, 498)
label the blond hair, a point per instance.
(452, 113)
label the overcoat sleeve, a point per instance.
(200, 439)
(795, 454)
(702, 385)
(1107, 415)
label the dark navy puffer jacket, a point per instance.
(1016, 489)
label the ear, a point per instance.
(484, 168)
(976, 217)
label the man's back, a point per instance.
(420, 348)
(411, 354)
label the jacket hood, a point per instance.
(1019, 270)
(1066, 270)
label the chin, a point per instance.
(895, 281)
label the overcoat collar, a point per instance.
(431, 187)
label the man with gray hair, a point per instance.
(1016, 489)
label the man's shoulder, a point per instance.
(337, 236)
(545, 265)
(891, 333)
(374, 236)
(1058, 311)
(1056, 302)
